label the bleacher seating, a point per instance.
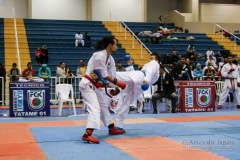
(237, 40)
(1, 41)
(201, 42)
(58, 35)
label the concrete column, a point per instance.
(195, 10)
(144, 10)
(29, 9)
(89, 10)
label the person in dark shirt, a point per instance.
(87, 40)
(181, 71)
(166, 89)
(14, 73)
(44, 51)
(174, 58)
(119, 67)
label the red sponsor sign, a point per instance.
(195, 96)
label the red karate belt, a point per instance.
(232, 80)
(97, 85)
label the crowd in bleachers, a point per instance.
(210, 65)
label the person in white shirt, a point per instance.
(60, 73)
(91, 90)
(211, 60)
(191, 47)
(209, 52)
(79, 39)
(230, 72)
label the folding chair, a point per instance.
(147, 95)
(62, 93)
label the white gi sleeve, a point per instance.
(224, 71)
(112, 67)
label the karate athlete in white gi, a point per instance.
(230, 73)
(149, 74)
(79, 39)
(92, 95)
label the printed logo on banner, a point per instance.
(178, 96)
(17, 100)
(189, 97)
(36, 99)
(203, 96)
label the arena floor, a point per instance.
(165, 136)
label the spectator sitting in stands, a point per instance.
(38, 56)
(174, 58)
(209, 73)
(198, 72)
(187, 61)
(225, 54)
(60, 73)
(28, 72)
(191, 55)
(69, 75)
(204, 68)
(119, 67)
(87, 40)
(176, 30)
(14, 73)
(191, 46)
(190, 38)
(44, 72)
(81, 70)
(213, 63)
(44, 51)
(164, 31)
(181, 71)
(79, 39)
(209, 52)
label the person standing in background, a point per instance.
(44, 51)
(14, 73)
(60, 73)
(69, 75)
(230, 73)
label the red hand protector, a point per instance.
(120, 84)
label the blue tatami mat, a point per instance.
(76, 150)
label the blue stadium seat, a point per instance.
(59, 36)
